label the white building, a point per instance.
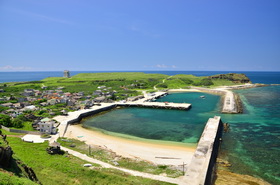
(46, 125)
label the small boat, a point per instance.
(202, 97)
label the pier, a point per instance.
(146, 102)
(163, 105)
(202, 167)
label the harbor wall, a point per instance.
(202, 167)
(90, 113)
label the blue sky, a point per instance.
(137, 35)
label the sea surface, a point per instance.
(256, 77)
(252, 145)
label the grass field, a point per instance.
(64, 169)
(128, 83)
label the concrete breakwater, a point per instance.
(77, 116)
(202, 167)
(231, 103)
(167, 105)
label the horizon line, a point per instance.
(150, 71)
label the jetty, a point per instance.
(230, 105)
(164, 105)
(231, 102)
(146, 102)
(202, 167)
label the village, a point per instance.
(37, 107)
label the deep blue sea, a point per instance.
(252, 145)
(256, 77)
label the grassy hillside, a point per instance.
(63, 169)
(122, 82)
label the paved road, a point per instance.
(131, 172)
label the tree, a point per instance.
(5, 120)
(18, 123)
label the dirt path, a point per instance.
(131, 172)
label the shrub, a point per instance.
(17, 123)
(186, 80)
(162, 86)
(5, 120)
(204, 82)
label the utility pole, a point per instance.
(183, 168)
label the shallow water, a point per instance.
(252, 145)
(162, 124)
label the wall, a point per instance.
(202, 167)
(20, 131)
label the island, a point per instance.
(47, 109)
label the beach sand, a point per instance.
(158, 152)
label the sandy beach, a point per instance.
(158, 152)
(155, 152)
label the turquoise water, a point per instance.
(161, 124)
(252, 145)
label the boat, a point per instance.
(202, 97)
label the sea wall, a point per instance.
(20, 131)
(202, 167)
(90, 113)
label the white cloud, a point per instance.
(12, 68)
(163, 66)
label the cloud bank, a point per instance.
(12, 68)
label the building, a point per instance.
(46, 125)
(66, 74)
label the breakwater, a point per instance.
(231, 103)
(202, 167)
(166, 105)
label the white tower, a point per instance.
(66, 74)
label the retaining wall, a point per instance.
(20, 131)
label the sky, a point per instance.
(140, 35)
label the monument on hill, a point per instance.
(66, 74)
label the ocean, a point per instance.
(256, 77)
(252, 146)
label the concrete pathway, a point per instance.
(131, 172)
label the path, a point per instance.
(155, 88)
(131, 172)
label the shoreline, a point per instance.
(137, 148)
(164, 153)
(147, 151)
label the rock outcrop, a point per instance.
(234, 77)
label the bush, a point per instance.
(17, 123)
(186, 80)
(204, 82)
(2, 108)
(162, 86)
(5, 120)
